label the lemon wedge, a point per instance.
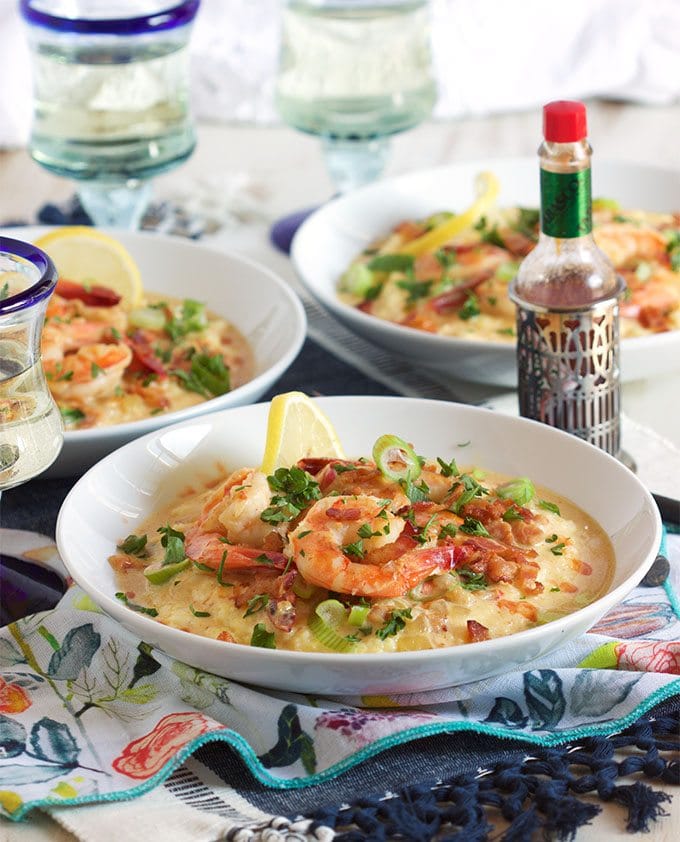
(88, 256)
(487, 189)
(297, 428)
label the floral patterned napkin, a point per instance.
(89, 713)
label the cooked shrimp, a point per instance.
(233, 509)
(652, 304)
(325, 541)
(92, 371)
(211, 549)
(626, 244)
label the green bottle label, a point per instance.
(566, 203)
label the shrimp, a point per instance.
(92, 371)
(332, 533)
(230, 530)
(652, 304)
(626, 244)
(234, 509)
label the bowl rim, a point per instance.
(117, 609)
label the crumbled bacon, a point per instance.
(94, 296)
(343, 513)
(226, 636)
(476, 631)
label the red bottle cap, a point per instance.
(564, 121)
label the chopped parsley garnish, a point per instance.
(71, 416)
(134, 545)
(220, 569)
(527, 222)
(558, 549)
(365, 531)
(192, 317)
(257, 603)
(356, 549)
(511, 514)
(549, 507)
(445, 258)
(471, 489)
(554, 590)
(198, 613)
(296, 490)
(173, 541)
(470, 308)
(415, 289)
(416, 492)
(448, 469)
(474, 527)
(263, 638)
(4, 291)
(489, 234)
(449, 530)
(470, 580)
(395, 623)
(551, 538)
(208, 376)
(95, 370)
(142, 609)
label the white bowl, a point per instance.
(331, 237)
(250, 296)
(116, 495)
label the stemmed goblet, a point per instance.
(353, 72)
(111, 97)
(31, 432)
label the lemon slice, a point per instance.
(297, 428)
(88, 256)
(487, 189)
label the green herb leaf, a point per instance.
(470, 580)
(550, 507)
(296, 490)
(208, 376)
(173, 541)
(520, 490)
(71, 416)
(558, 549)
(191, 318)
(257, 603)
(448, 469)
(395, 623)
(356, 549)
(470, 308)
(415, 289)
(198, 613)
(141, 609)
(263, 638)
(134, 545)
(474, 527)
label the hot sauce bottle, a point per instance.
(567, 295)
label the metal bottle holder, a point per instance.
(568, 368)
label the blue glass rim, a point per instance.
(175, 16)
(41, 289)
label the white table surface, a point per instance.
(272, 171)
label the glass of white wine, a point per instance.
(31, 432)
(111, 97)
(353, 72)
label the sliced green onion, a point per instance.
(396, 460)
(392, 263)
(605, 204)
(507, 271)
(520, 490)
(147, 318)
(303, 589)
(324, 622)
(358, 614)
(357, 280)
(159, 575)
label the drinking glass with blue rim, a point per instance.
(111, 97)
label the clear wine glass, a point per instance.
(353, 72)
(111, 97)
(31, 432)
